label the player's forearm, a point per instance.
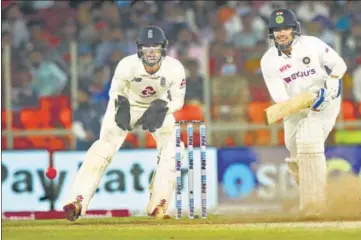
(118, 90)
(333, 82)
(339, 68)
(277, 92)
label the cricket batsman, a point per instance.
(296, 64)
(146, 89)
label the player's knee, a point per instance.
(167, 154)
(103, 149)
(309, 137)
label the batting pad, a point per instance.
(312, 165)
(293, 168)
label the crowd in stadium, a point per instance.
(219, 42)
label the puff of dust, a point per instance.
(344, 195)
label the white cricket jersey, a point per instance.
(287, 76)
(141, 88)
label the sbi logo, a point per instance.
(238, 180)
(269, 181)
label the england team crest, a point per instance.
(163, 82)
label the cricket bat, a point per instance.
(283, 109)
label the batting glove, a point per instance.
(322, 99)
(333, 86)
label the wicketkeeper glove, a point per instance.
(122, 113)
(154, 116)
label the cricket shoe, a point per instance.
(159, 211)
(72, 210)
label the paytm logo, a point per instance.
(299, 74)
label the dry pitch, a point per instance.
(214, 227)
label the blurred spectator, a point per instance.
(68, 34)
(23, 95)
(308, 10)
(321, 27)
(54, 12)
(119, 42)
(48, 78)
(267, 7)
(104, 47)
(187, 42)
(230, 95)
(114, 59)
(231, 21)
(222, 40)
(353, 41)
(85, 64)
(141, 13)
(110, 13)
(38, 5)
(99, 88)
(357, 83)
(195, 14)
(87, 120)
(247, 37)
(14, 17)
(194, 89)
(16, 55)
(87, 31)
(228, 62)
(218, 42)
(112, 39)
(38, 33)
(39, 39)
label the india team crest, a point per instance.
(163, 82)
(306, 60)
(279, 19)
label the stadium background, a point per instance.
(58, 58)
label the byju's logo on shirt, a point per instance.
(299, 74)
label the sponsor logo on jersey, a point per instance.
(299, 74)
(183, 83)
(163, 82)
(148, 92)
(285, 67)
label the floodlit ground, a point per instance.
(214, 227)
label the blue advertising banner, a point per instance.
(261, 175)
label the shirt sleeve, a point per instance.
(330, 58)
(177, 90)
(274, 83)
(120, 79)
